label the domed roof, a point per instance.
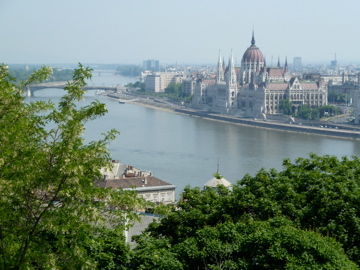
(253, 53)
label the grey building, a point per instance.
(151, 65)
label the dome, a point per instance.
(253, 53)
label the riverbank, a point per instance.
(318, 128)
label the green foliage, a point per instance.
(272, 244)
(338, 98)
(51, 214)
(136, 85)
(173, 88)
(305, 112)
(154, 254)
(304, 217)
(55, 76)
(285, 106)
(329, 110)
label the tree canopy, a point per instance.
(306, 216)
(56, 74)
(51, 214)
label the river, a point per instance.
(183, 150)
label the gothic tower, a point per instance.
(231, 83)
(220, 70)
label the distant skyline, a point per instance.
(182, 32)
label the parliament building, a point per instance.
(255, 90)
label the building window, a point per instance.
(162, 197)
(156, 197)
(169, 196)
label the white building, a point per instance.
(127, 177)
(158, 81)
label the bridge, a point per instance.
(32, 88)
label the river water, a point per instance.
(183, 150)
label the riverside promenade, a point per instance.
(321, 128)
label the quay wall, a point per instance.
(350, 134)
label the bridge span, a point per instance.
(32, 88)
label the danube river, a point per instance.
(186, 151)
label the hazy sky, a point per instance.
(182, 31)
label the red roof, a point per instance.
(277, 86)
(208, 82)
(275, 72)
(309, 85)
(253, 54)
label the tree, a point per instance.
(51, 214)
(173, 88)
(329, 110)
(285, 106)
(57, 74)
(304, 112)
(272, 244)
(284, 219)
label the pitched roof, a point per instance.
(275, 72)
(133, 182)
(277, 86)
(309, 85)
(208, 82)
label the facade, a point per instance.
(127, 177)
(356, 106)
(256, 90)
(158, 81)
(344, 84)
(188, 86)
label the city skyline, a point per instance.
(187, 32)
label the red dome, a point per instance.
(253, 53)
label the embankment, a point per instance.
(342, 131)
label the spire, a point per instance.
(231, 70)
(220, 70)
(286, 66)
(278, 62)
(253, 39)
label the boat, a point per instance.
(122, 102)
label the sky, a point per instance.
(177, 32)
